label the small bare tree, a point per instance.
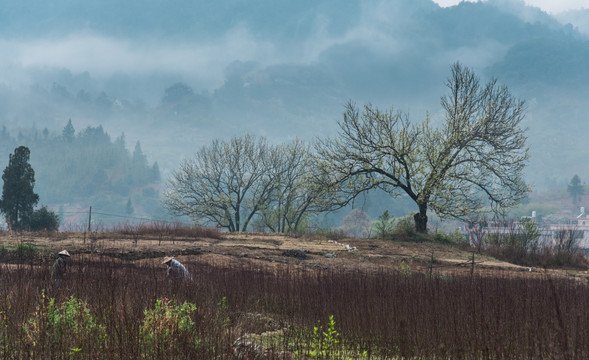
(566, 243)
(297, 194)
(230, 183)
(476, 230)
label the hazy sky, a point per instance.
(550, 6)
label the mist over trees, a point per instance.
(276, 68)
(472, 162)
(232, 184)
(86, 168)
(175, 76)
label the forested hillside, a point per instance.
(78, 169)
(176, 75)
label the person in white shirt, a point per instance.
(176, 270)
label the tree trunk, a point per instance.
(421, 219)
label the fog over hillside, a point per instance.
(176, 74)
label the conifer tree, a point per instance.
(18, 197)
(576, 190)
(69, 132)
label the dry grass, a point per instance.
(410, 300)
(269, 249)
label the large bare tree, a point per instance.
(230, 183)
(225, 183)
(475, 158)
(298, 195)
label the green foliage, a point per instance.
(406, 225)
(530, 232)
(404, 268)
(325, 341)
(165, 325)
(69, 325)
(18, 197)
(458, 237)
(25, 250)
(576, 190)
(384, 226)
(44, 219)
(88, 167)
(455, 237)
(325, 344)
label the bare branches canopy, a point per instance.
(232, 183)
(475, 158)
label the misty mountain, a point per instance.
(176, 74)
(176, 19)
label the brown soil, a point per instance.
(278, 250)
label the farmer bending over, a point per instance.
(176, 270)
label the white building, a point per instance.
(575, 229)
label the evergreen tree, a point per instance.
(139, 159)
(120, 143)
(44, 219)
(576, 190)
(155, 172)
(69, 132)
(129, 208)
(18, 197)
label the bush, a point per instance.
(66, 326)
(325, 341)
(406, 226)
(166, 326)
(384, 226)
(44, 219)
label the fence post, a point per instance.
(472, 266)
(89, 222)
(431, 265)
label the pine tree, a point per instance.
(576, 190)
(129, 209)
(69, 132)
(18, 197)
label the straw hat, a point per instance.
(167, 259)
(64, 253)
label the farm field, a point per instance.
(267, 296)
(273, 249)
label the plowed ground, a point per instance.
(272, 250)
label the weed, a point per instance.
(384, 226)
(165, 326)
(63, 326)
(404, 268)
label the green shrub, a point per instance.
(325, 341)
(66, 326)
(166, 326)
(25, 250)
(404, 268)
(44, 219)
(384, 226)
(406, 225)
